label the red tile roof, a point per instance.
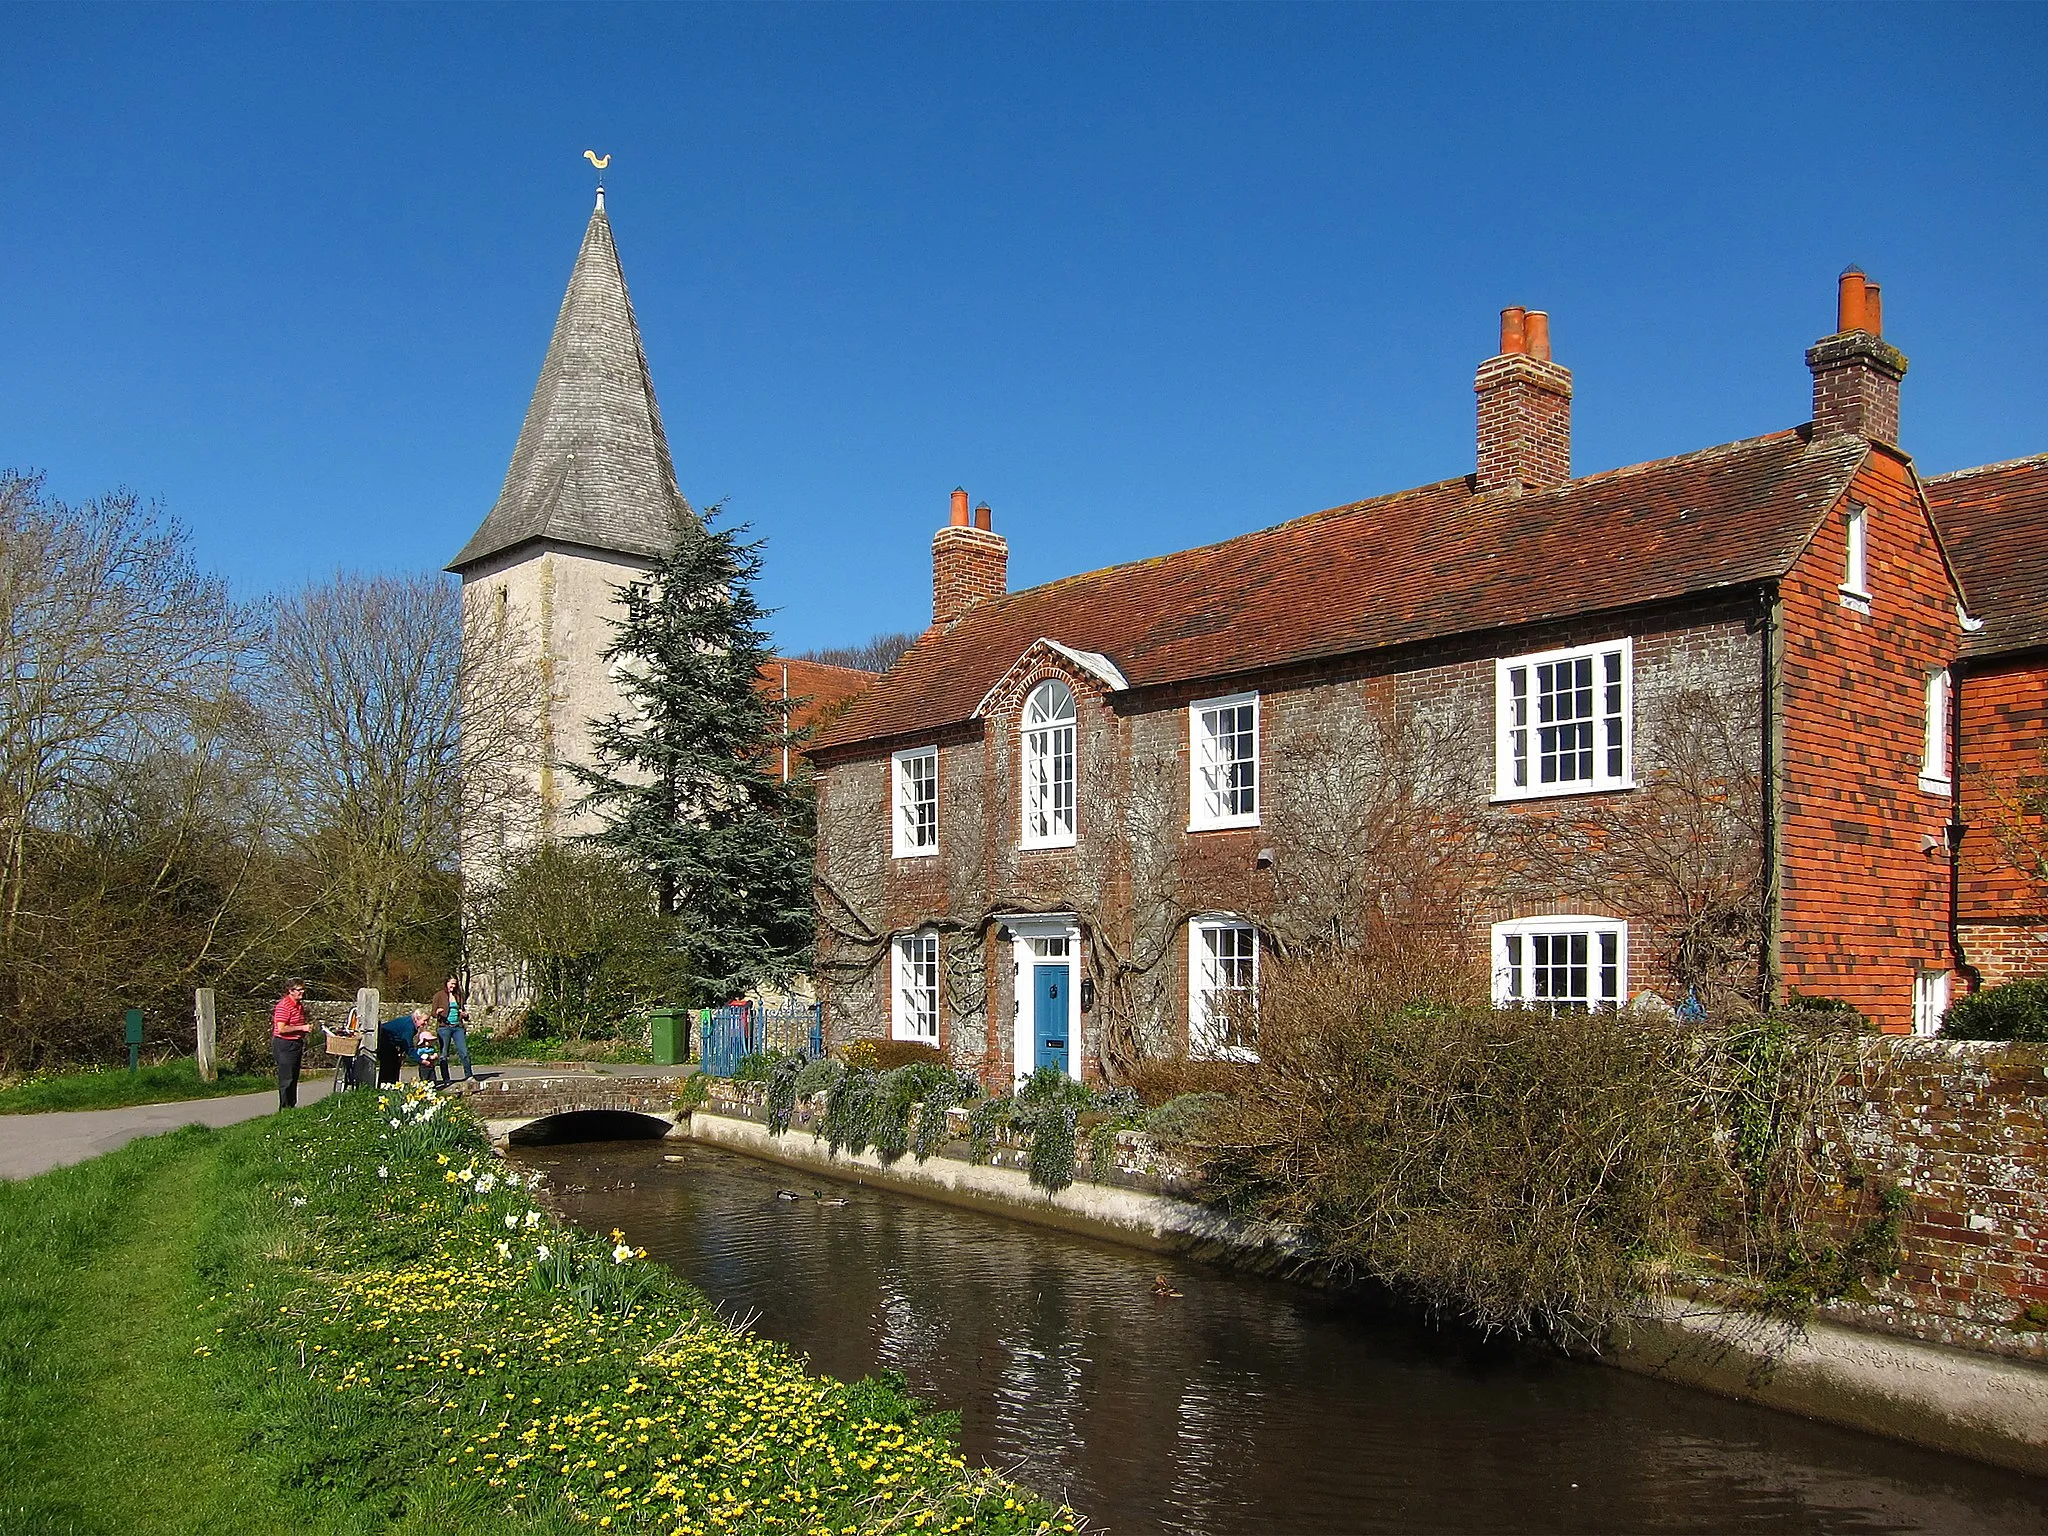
(1418, 565)
(822, 689)
(1994, 523)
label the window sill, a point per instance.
(1063, 842)
(1230, 824)
(917, 853)
(1562, 792)
(1855, 601)
(1213, 1053)
(1943, 787)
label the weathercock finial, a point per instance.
(598, 162)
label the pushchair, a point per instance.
(353, 1065)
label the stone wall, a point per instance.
(1962, 1128)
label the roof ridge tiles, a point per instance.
(2025, 461)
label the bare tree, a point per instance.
(367, 695)
(125, 868)
(876, 654)
(2016, 816)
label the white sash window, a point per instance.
(1223, 757)
(1562, 721)
(916, 1013)
(1049, 767)
(1560, 962)
(916, 796)
(1223, 989)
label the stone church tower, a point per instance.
(587, 506)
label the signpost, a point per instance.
(134, 1038)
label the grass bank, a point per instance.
(350, 1319)
(116, 1088)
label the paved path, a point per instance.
(33, 1144)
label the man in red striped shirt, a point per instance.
(288, 1030)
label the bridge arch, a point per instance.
(583, 1106)
(589, 1125)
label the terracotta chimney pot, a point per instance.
(1851, 302)
(983, 519)
(1514, 336)
(959, 518)
(1536, 327)
(1873, 310)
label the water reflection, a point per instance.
(1242, 1405)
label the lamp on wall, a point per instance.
(1263, 859)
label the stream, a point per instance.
(1240, 1404)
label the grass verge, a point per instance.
(350, 1319)
(116, 1088)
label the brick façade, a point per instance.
(1398, 610)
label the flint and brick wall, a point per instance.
(1962, 1128)
(1138, 872)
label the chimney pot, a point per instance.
(959, 517)
(1525, 410)
(1851, 302)
(1856, 372)
(983, 519)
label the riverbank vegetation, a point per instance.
(352, 1319)
(1539, 1172)
(116, 1087)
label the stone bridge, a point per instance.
(577, 1106)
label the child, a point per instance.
(425, 1050)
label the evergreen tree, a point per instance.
(687, 779)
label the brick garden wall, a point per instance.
(1962, 1128)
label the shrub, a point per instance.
(2014, 1010)
(859, 1055)
(891, 1054)
(1519, 1169)
(1159, 1079)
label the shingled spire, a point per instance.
(592, 468)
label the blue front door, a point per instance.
(1049, 1015)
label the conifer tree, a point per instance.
(686, 778)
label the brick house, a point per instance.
(1992, 520)
(1656, 729)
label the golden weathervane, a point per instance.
(600, 162)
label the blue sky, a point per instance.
(1140, 277)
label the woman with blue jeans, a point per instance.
(451, 1023)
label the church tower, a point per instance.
(587, 505)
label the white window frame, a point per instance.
(1038, 776)
(1206, 811)
(1511, 732)
(903, 820)
(1513, 984)
(1935, 745)
(1855, 587)
(914, 987)
(1202, 964)
(1930, 1001)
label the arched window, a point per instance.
(1049, 766)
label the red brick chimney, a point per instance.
(1525, 409)
(1856, 372)
(970, 562)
